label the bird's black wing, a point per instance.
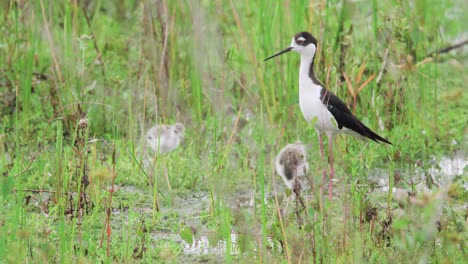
(339, 110)
(345, 118)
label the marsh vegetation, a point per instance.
(82, 82)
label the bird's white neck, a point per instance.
(306, 72)
(309, 90)
(306, 63)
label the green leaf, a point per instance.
(400, 223)
(7, 187)
(186, 234)
(314, 121)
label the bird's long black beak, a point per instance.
(279, 53)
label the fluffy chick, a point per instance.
(164, 138)
(291, 162)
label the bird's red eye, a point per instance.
(300, 41)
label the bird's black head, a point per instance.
(303, 43)
(304, 38)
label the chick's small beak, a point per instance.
(279, 53)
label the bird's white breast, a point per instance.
(312, 108)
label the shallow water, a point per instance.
(447, 168)
(207, 242)
(442, 171)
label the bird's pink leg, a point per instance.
(322, 157)
(332, 169)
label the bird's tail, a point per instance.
(372, 135)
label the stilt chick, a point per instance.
(164, 138)
(291, 162)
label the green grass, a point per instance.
(133, 64)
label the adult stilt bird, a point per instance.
(320, 106)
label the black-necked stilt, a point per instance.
(321, 107)
(291, 163)
(164, 138)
